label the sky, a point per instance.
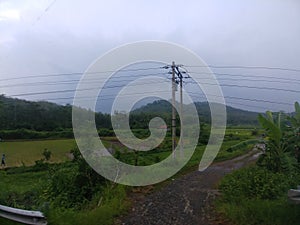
(41, 37)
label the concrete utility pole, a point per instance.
(181, 115)
(180, 77)
(176, 75)
(15, 114)
(173, 110)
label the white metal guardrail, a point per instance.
(23, 216)
(294, 195)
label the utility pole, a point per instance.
(15, 114)
(176, 75)
(181, 115)
(173, 110)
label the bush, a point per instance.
(257, 211)
(102, 212)
(258, 183)
(103, 132)
(255, 195)
(20, 200)
(71, 186)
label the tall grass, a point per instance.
(104, 207)
(261, 212)
(255, 196)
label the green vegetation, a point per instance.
(258, 194)
(102, 209)
(68, 193)
(22, 119)
(25, 153)
(21, 189)
(51, 175)
(16, 114)
(235, 117)
(71, 192)
(255, 195)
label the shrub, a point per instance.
(103, 132)
(257, 211)
(72, 186)
(258, 183)
(102, 212)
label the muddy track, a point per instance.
(185, 201)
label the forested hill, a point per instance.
(39, 116)
(234, 116)
(45, 116)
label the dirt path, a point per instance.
(184, 201)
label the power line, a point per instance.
(278, 80)
(249, 76)
(164, 67)
(260, 88)
(240, 98)
(76, 81)
(235, 103)
(242, 104)
(124, 95)
(77, 73)
(115, 86)
(193, 94)
(246, 67)
(73, 90)
(245, 79)
(226, 101)
(44, 12)
(261, 80)
(252, 87)
(275, 79)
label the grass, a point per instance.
(19, 153)
(254, 195)
(114, 200)
(232, 138)
(21, 182)
(112, 205)
(98, 211)
(257, 211)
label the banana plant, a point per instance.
(276, 156)
(295, 119)
(295, 125)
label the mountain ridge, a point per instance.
(17, 113)
(235, 116)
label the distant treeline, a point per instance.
(40, 116)
(21, 119)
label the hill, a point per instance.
(39, 116)
(46, 116)
(234, 116)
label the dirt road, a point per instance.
(184, 201)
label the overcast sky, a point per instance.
(49, 37)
